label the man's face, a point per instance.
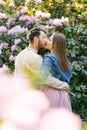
(42, 41)
(49, 44)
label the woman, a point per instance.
(57, 64)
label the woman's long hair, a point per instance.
(59, 47)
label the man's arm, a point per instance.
(49, 81)
(56, 83)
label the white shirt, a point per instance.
(29, 56)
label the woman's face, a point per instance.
(49, 43)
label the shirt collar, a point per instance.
(32, 49)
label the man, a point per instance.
(29, 56)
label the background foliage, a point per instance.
(75, 32)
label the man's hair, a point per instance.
(34, 33)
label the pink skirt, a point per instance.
(57, 98)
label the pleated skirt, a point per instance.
(57, 98)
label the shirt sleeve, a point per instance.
(56, 83)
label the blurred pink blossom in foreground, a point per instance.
(10, 88)
(24, 108)
(60, 119)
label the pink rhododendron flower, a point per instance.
(28, 20)
(17, 41)
(38, 1)
(0, 52)
(3, 29)
(17, 29)
(18, 13)
(24, 18)
(11, 21)
(1, 46)
(24, 10)
(13, 47)
(51, 21)
(44, 27)
(12, 58)
(3, 16)
(43, 15)
(56, 22)
(2, 2)
(64, 20)
(5, 44)
(4, 68)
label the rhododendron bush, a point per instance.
(15, 26)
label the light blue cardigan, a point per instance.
(50, 64)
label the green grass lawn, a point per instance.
(85, 126)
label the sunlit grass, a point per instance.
(85, 126)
